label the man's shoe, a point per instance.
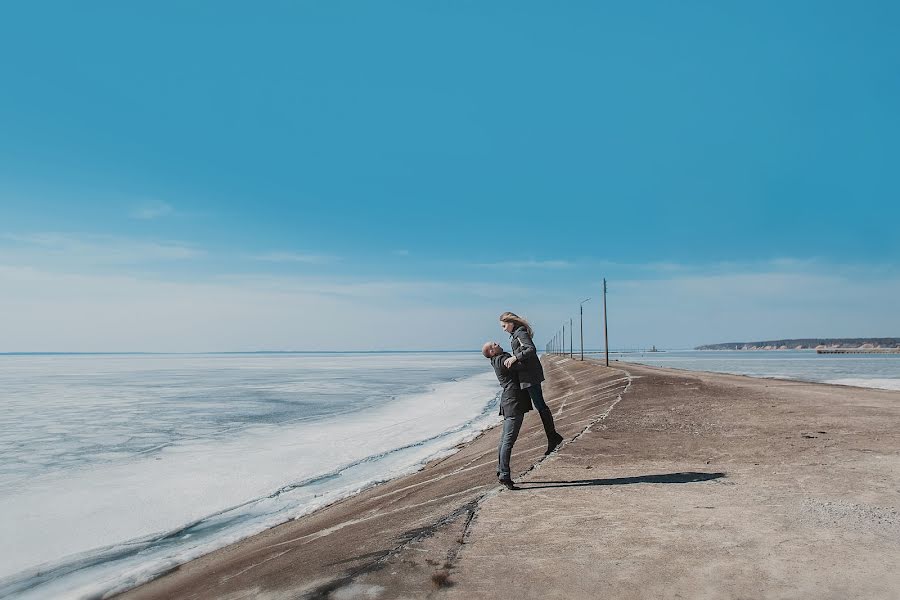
(553, 443)
(509, 484)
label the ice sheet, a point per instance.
(104, 523)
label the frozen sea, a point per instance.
(114, 468)
(862, 370)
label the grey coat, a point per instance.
(523, 348)
(513, 400)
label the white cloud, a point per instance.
(152, 210)
(68, 248)
(55, 311)
(293, 257)
(694, 309)
(399, 292)
(527, 264)
(62, 308)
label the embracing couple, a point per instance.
(520, 374)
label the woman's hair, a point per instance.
(509, 317)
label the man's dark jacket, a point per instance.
(526, 354)
(514, 400)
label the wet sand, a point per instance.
(671, 484)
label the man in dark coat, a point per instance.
(514, 403)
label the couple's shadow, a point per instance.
(686, 477)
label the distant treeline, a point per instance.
(806, 343)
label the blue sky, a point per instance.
(358, 175)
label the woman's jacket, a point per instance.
(523, 348)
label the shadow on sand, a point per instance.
(689, 477)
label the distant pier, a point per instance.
(857, 350)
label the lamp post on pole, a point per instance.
(581, 319)
(562, 350)
(571, 337)
(605, 332)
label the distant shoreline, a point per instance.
(807, 344)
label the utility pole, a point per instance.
(562, 350)
(605, 331)
(571, 337)
(581, 319)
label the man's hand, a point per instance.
(508, 363)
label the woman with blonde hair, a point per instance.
(532, 373)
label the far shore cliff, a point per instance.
(808, 344)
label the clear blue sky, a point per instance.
(208, 176)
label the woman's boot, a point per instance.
(553, 438)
